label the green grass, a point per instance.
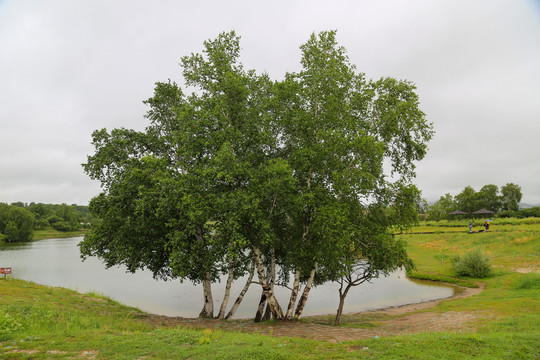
(39, 322)
(51, 234)
(441, 278)
(55, 234)
(528, 281)
(56, 323)
(61, 324)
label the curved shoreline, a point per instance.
(407, 308)
(396, 320)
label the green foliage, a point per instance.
(11, 232)
(463, 223)
(63, 226)
(511, 196)
(507, 214)
(528, 281)
(467, 200)
(488, 198)
(4, 218)
(16, 223)
(441, 208)
(473, 264)
(523, 216)
(23, 219)
(60, 217)
(245, 163)
(529, 212)
(8, 326)
(42, 224)
(73, 217)
(470, 201)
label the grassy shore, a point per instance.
(51, 234)
(39, 322)
(55, 234)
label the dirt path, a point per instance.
(404, 319)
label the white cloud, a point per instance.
(67, 68)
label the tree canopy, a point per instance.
(16, 223)
(470, 200)
(286, 178)
(511, 196)
(23, 218)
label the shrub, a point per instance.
(473, 264)
(529, 221)
(507, 214)
(529, 212)
(8, 325)
(61, 226)
(42, 224)
(528, 281)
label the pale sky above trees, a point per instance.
(68, 68)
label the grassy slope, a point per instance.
(509, 308)
(59, 323)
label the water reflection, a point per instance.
(57, 262)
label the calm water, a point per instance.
(56, 262)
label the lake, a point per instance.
(57, 262)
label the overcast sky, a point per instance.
(70, 67)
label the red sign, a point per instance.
(5, 271)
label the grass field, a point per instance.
(51, 234)
(38, 322)
(55, 234)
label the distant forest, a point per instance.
(503, 202)
(18, 220)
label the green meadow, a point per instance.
(39, 322)
(52, 234)
(55, 234)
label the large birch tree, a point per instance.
(282, 178)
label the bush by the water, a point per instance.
(473, 264)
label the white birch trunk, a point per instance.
(208, 307)
(223, 306)
(260, 309)
(294, 295)
(268, 292)
(305, 294)
(242, 293)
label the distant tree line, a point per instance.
(18, 220)
(505, 203)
